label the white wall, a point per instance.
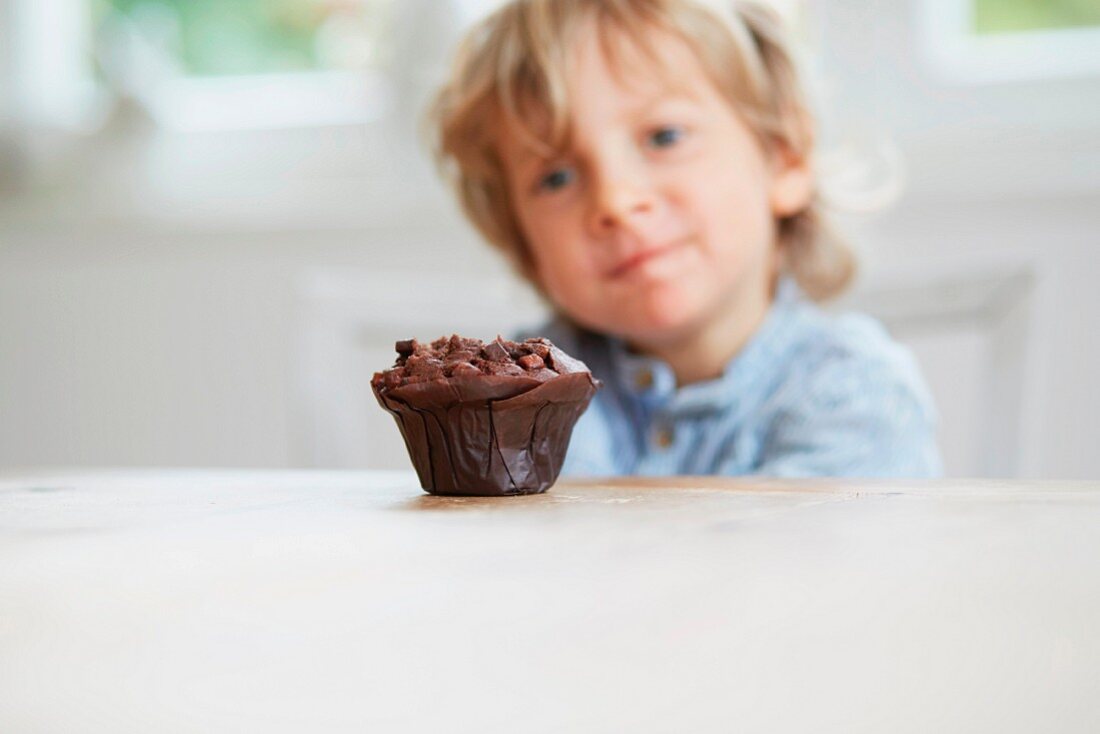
(146, 326)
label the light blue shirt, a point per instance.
(811, 394)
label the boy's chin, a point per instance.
(672, 325)
(655, 336)
(664, 315)
(669, 313)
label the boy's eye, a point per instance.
(557, 179)
(665, 137)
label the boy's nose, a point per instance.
(618, 201)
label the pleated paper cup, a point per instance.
(489, 435)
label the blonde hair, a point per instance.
(514, 63)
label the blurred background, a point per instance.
(216, 217)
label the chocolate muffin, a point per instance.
(485, 419)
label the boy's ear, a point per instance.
(792, 187)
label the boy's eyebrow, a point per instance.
(666, 97)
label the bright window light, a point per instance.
(989, 41)
(248, 64)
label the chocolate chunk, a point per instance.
(463, 369)
(536, 359)
(504, 368)
(539, 347)
(461, 356)
(494, 351)
(531, 362)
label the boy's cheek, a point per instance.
(561, 276)
(565, 276)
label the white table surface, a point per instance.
(188, 601)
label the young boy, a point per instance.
(646, 164)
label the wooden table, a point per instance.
(186, 601)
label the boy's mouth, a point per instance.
(633, 263)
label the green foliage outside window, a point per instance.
(215, 37)
(1010, 16)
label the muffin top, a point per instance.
(462, 357)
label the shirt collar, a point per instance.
(742, 384)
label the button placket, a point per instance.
(664, 436)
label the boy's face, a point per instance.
(659, 222)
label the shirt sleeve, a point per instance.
(853, 419)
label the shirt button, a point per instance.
(664, 437)
(643, 379)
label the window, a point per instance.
(982, 41)
(1016, 16)
(239, 64)
(236, 37)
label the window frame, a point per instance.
(308, 99)
(961, 56)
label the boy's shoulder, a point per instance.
(848, 336)
(851, 401)
(850, 356)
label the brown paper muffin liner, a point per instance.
(489, 435)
